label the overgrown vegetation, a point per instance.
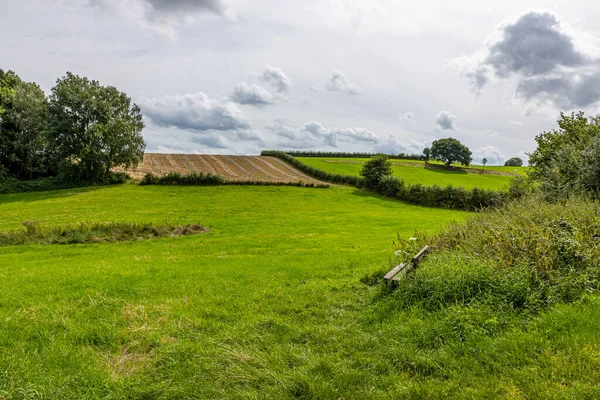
(208, 179)
(526, 255)
(567, 160)
(95, 232)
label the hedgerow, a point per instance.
(314, 172)
(13, 185)
(341, 154)
(208, 179)
(430, 196)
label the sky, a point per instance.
(240, 76)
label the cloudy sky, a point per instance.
(238, 76)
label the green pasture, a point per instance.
(413, 172)
(277, 301)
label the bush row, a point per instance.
(341, 154)
(13, 185)
(389, 186)
(208, 179)
(314, 172)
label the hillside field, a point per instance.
(232, 168)
(413, 172)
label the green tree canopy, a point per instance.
(93, 128)
(514, 162)
(567, 159)
(23, 126)
(450, 150)
(427, 153)
(375, 170)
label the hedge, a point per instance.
(430, 196)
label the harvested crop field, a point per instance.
(233, 168)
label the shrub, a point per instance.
(375, 170)
(514, 162)
(390, 186)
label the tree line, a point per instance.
(78, 133)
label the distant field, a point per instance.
(413, 172)
(237, 168)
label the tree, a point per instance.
(93, 128)
(23, 126)
(450, 150)
(484, 161)
(514, 162)
(375, 170)
(567, 160)
(427, 153)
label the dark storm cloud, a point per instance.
(535, 44)
(276, 78)
(564, 91)
(446, 121)
(544, 57)
(195, 112)
(251, 95)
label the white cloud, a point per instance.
(393, 144)
(446, 121)
(276, 78)
(195, 112)
(492, 153)
(339, 83)
(252, 95)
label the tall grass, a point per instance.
(94, 233)
(525, 256)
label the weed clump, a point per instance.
(94, 233)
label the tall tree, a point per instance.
(450, 150)
(23, 126)
(93, 128)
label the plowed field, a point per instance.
(233, 168)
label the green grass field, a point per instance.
(269, 304)
(418, 174)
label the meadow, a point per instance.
(282, 298)
(413, 172)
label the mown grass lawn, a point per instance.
(271, 303)
(417, 174)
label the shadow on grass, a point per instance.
(444, 170)
(29, 197)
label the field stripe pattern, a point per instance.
(231, 168)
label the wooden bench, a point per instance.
(399, 271)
